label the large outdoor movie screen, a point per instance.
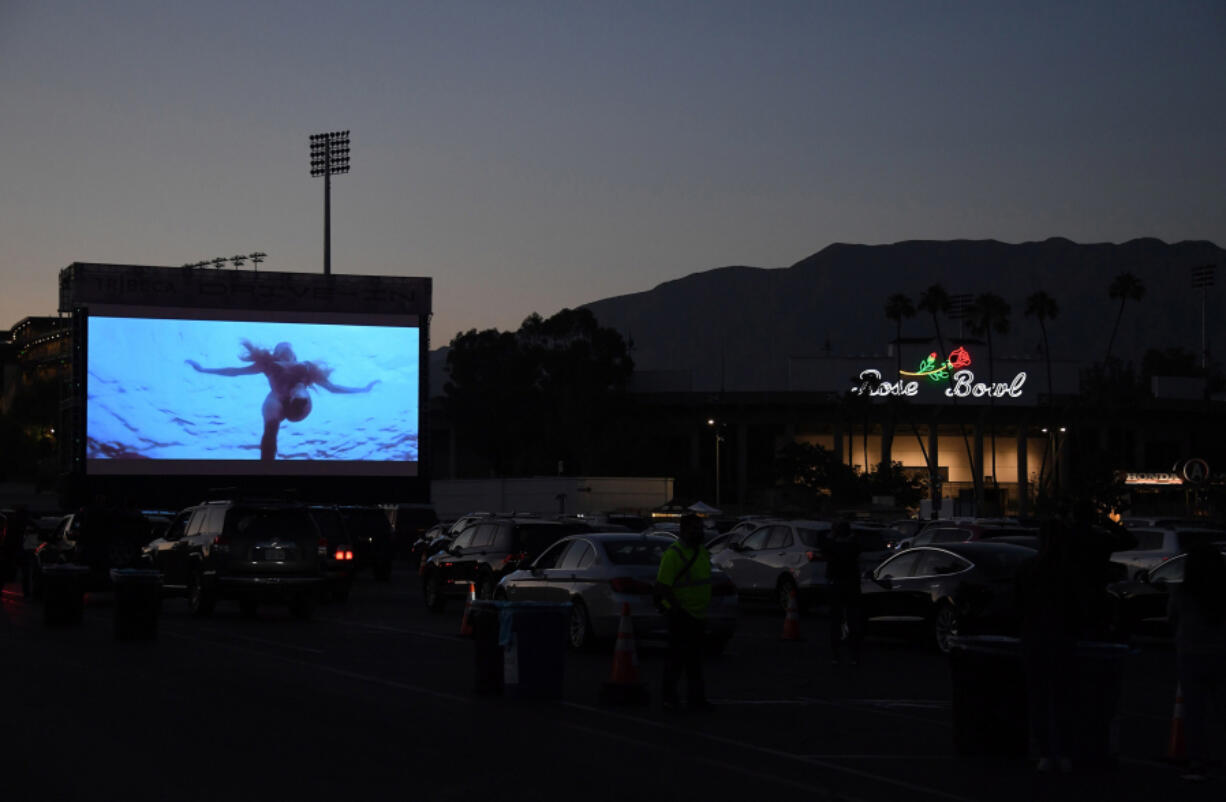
(211, 396)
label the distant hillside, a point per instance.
(742, 323)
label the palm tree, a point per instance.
(1043, 307)
(1126, 287)
(898, 307)
(935, 301)
(990, 313)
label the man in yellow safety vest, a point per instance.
(683, 584)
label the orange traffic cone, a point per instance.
(1175, 750)
(466, 624)
(791, 622)
(624, 686)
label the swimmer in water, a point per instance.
(288, 380)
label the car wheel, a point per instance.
(248, 607)
(579, 633)
(200, 600)
(785, 589)
(432, 593)
(944, 626)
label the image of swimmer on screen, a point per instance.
(289, 382)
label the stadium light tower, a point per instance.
(329, 157)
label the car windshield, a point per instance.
(635, 551)
(330, 525)
(284, 523)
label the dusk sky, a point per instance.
(531, 156)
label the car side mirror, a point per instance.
(885, 582)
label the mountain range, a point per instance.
(737, 327)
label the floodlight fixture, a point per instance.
(256, 258)
(329, 157)
(1202, 279)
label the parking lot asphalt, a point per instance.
(375, 699)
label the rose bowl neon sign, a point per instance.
(953, 370)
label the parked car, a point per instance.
(485, 552)
(98, 538)
(251, 551)
(1156, 545)
(337, 552)
(409, 522)
(1139, 603)
(782, 557)
(599, 573)
(373, 540)
(431, 541)
(938, 532)
(938, 592)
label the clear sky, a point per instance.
(531, 156)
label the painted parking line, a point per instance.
(879, 711)
(395, 630)
(684, 732)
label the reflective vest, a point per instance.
(693, 587)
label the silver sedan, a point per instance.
(599, 573)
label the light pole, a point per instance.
(1202, 279)
(718, 438)
(329, 156)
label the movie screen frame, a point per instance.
(306, 394)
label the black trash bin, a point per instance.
(988, 698)
(138, 602)
(63, 587)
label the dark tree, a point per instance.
(549, 395)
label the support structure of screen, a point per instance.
(245, 393)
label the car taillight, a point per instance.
(343, 554)
(723, 587)
(511, 559)
(815, 557)
(625, 584)
(221, 542)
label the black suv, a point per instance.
(252, 551)
(337, 552)
(371, 535)
(484, 553)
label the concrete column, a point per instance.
(1023, 478)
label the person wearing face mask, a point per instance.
(683, 584)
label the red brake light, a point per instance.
(625, 584)
(221, 540)
(815, 556)
(514, 558)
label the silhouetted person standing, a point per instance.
(841, 551)
(683, 581)
(1049, 604)
(1197, 609)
